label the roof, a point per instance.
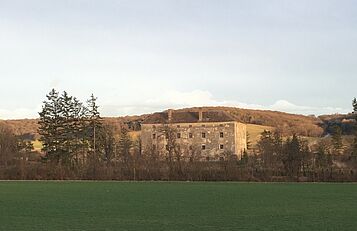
(188, 117)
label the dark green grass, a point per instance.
(176, 206)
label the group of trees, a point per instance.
(69, 129)
(291, 157)
(73, 135)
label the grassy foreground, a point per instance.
(176, 206)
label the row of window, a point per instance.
(221, 146)
(190, 126)
(203, 147)
(190, 135)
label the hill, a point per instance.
(288, 124)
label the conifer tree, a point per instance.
(292, 158)
(354, 104)
(124, 145)
(249, 143)
(337, 140)
(93, 127)
(266, 148)
(50, 127)
(354, 148)
(67, 119)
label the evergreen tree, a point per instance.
(51, 127)
(354, 148)
(292, 157)
(107, 142)
(321, 155)
(93, 127)
(354, 104)
(124, 145)
(337, 140)
(266, 148)
(79, 124)
(67, 118)
(249, 143)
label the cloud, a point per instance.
(20, 113)
(176, 99)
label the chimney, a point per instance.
(200, 115)
(169, 113)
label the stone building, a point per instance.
(211, 135)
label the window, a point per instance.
(154, 147)
(190, 135)
(190, 126)
(221, 146)
(154, 136)
(191, 148)
(178, 126)
(178, 135)
(203, 147)
(203, 135)
(203, 125)
(221, 125)
(221, 135)
(153, 126)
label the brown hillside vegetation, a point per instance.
(286, 123)
(23, 127)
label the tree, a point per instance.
(172, 147)
(107, 141)
(321, 159)
(124, 145)
(266, 148)
(292, 157)
(51, 127)
(354, 148)
(8, 145)
(249, 143)
(337, 144)
(93, 127)
(354, 104)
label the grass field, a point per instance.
(255, 132)
(176, 206)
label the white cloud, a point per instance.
(21, 113)
(176, 99)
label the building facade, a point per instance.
(210, 135)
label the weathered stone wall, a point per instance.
(233, 140)
(241, 138)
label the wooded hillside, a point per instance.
(286, 123)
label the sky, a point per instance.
(143, 56)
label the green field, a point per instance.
(176, 206)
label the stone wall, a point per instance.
(217, 138)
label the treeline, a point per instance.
(77, 145)
(287, 124)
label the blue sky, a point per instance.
(149, 55)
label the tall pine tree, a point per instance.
(93, 127)
(51, 127)
(354, 104)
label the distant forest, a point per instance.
(77, 143)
